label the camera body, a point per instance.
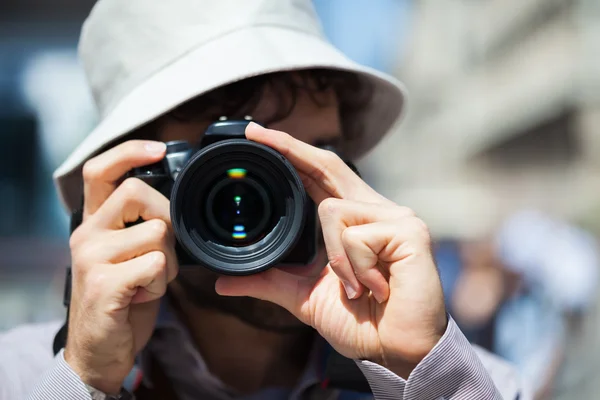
(237, 207)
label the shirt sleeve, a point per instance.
(453, 370)
(60, 382)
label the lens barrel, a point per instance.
(238, 207)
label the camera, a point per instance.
(237, 207)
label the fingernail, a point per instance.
(350, 291)
(155, 147)
(378, 298)
(254, 125)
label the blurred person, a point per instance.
(498, 311)
(137, 326)
(449, 263)
(495, 310)
(478, 292)
(516, 294)
(557, 268)
(559, 258)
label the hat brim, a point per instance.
(232, 57)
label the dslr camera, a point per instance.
(237, 207)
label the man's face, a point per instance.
(314, 122)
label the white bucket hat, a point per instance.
(143, 58)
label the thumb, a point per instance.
(274, 285)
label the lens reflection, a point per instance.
(239, 208)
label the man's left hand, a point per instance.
(379, 298)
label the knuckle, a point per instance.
(158, 266)
(81, 256)
(328, 207)
(159, 228)
(330, 158)
(92, 170)
(79, 242)
(159, 261)
(407, 211)
(420, 230)
(94, 283)
(351, 235)
(337, 261)
(131, 188)
(76, 238)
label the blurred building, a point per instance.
(504, 114)
(45, 110)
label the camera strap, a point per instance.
(60, 339)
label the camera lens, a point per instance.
(238, 208)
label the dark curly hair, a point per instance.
(239, 99)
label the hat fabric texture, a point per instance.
(143, 58)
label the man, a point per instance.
(164, 71)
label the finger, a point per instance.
(364, 260)
(148, 236)
(101, 173)
(324, 168)
(145, 277)
(336, 215)
(402, 246)
(132, 200)
(276, 286)
(373, 248)
(124, 244)
(316, 193)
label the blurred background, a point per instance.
(499, 153)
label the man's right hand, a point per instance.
(119, 272)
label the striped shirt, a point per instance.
(452, 370)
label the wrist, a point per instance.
(402, 363)
(105, 383)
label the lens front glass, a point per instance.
(238, 208)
